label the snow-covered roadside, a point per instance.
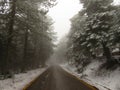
(20, 80)
(105, 80)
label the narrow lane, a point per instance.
(55, 78)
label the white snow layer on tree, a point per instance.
(19, 81)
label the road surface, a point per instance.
(55, 78)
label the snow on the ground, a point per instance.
(104, 80)
(19, 81)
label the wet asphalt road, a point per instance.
(55, 78)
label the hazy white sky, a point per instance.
(61, 13)
(117, 1)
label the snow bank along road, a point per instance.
(55, 78)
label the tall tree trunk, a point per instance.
(10, 33)
(2, 48)
(25, 51)
(106, 51)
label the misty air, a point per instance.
(59, 45)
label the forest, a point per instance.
(26, 35)
(94, 35)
